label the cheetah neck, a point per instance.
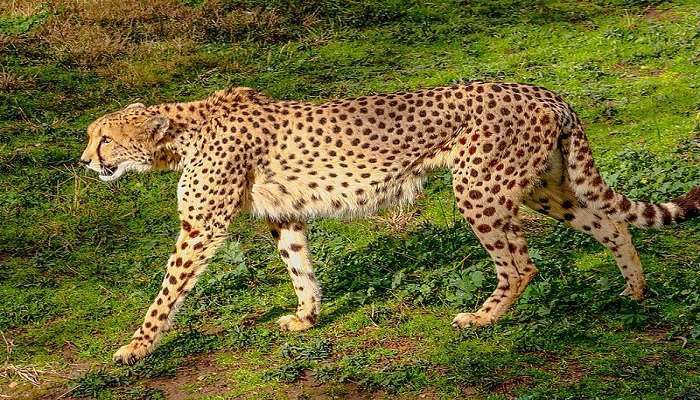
(180, 143)
(186, 120)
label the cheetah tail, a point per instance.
(589, 187)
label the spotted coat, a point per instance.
(287, 161)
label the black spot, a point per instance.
(296, 247)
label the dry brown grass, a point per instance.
(10, 81)
(9, 42)
(141, 43)
(90, 33)
(20, 8)
(83, 45)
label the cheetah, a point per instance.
(505, 145)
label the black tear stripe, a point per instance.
(99, 156)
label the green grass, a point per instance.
(81, 260)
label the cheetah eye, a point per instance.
(106, 140)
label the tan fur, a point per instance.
(505, 144)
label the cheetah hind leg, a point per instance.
(555, 199)
(497, 227)
(514, 267)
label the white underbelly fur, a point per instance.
(268, 202)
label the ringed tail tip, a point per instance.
(689, 204)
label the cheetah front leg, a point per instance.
(204, 225)
(195, 246)
(293, 248)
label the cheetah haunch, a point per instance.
(287, 161)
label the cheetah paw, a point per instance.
(637, 295)
(131, 353)
(293, 323)
(463, 320)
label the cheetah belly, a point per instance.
(341, 197)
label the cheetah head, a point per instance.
(123, 141)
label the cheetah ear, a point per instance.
(156, 127)
(135, 105)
